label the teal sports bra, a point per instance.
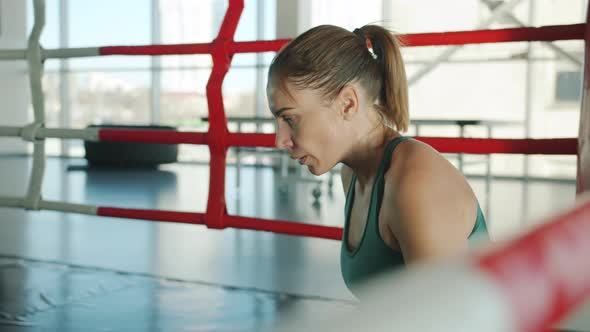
(372, 255)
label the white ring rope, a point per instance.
(88, 134)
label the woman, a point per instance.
(342, 97)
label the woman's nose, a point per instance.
(283, 139)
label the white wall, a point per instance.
(14, 86)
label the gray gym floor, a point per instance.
(68, 272)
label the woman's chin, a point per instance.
(316, 171)
(313, 171)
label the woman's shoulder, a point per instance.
(415, 164)
(412, 156)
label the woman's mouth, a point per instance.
(302, 160)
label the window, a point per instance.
(568, 86)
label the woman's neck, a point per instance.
(366, 155)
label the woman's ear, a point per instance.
(347, 102)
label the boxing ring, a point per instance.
(552, 255)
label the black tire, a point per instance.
(129, 154)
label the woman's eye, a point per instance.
(288, 120)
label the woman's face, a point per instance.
(308, 127)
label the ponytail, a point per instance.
(393, 96)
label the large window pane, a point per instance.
(250, 84)
(188, 21)
(109, 22)
(110, 97)
(183, 100)
(53, 107)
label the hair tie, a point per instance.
(367, 41)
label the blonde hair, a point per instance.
(328, 57)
